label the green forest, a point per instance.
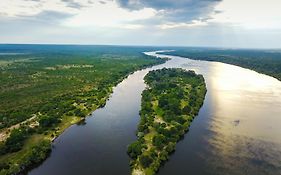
(263, 61)
(45, 89)
(169, 104)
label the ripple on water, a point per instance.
(242, 155)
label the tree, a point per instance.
(79, 113)
(170, 147)
(39, 152)
(163, 155)
(186, 109)
(163, 101)
(134, 149)
(145, 160)
(15, 141)
(159, 141)
(47, 121)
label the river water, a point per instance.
(237, 131)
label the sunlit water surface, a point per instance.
(238, 129)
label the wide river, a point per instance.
(237, 132)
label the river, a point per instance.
(237, 130)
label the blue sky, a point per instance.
(215, 23)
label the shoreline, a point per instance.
(108, 98)
(224, 62)
(76, 120)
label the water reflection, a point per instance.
(246, 123)
(242, 132)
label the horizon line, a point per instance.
(144, 45)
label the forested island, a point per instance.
(263, 61)
(169, 104)
(45, 89)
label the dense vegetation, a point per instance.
(44, 89)
(169, 104)
(263, 61)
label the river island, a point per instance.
(170, 102)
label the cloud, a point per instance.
(182, 11)
(102, 2)
(73, 4)
(236, 23)
(54, 16)
(164, 4)
(164, 14)
(249, 14)
(33, 0)
(194, 23)
(46, 16)
(109, 14)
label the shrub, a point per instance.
(159, 141)
(47, 121)
(134, 149)
(16, 140)
(145, 160)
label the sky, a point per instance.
(207, 23)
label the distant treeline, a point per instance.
(263, 61)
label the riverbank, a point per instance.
(267, 62)
(169, 104)
(45, 132)
(210, 147)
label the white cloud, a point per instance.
(108, 15)
(95, 13)
(237, 23)
(194, 23)
(250, 14)
(15, 8)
